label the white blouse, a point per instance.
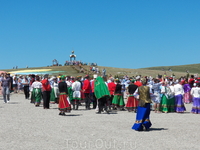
(195, 92)
(178, 89)
(36, 84)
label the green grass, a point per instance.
(152, 71)
(192, 68)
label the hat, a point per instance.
(132, 80)
(87, 76)
(95, 76)
(138, 77)
(62, 77)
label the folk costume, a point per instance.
(32, 80)
(187, 98)
(156, 97)
(87, 89)
(195, 92)
(167, 100)
(143, 112)
(94, 99)
(132, 102)
(118, 100)
(102, 94)
(64, 103)
(111, 88)
(179, 92)
(76, 87)
(36, 93)
(46, 91)
(54, 92)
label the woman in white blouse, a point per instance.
(195, 92)
(37, 91)
(179, 92)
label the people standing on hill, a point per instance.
(6, 87)
(46, 90)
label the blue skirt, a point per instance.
(142, 118)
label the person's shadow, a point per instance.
(157, 129)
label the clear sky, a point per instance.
(113, 33)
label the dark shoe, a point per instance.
(98, 112)
(123, 109)
(107, 112)
(60, 113)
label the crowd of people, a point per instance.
(134, 94)
(78, 63)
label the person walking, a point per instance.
(102, 94)
(6, 87)
(143, 122)
(25, 83)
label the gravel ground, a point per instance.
(26, 127)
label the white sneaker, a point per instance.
(8, 101)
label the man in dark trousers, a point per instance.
(46, 90)
(87, 89)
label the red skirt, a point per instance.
(64, 105)
(132, 103)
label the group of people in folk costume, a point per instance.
(106, 94)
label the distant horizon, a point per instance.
(100, 66)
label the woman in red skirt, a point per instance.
(132, 103)
(64, 104)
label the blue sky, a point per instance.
(113, 33)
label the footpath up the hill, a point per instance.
(26, 127)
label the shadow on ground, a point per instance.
(71, 115)
(157, 129)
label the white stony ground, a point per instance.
(25, 127)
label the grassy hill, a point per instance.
(74, 70)
(192, 68)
